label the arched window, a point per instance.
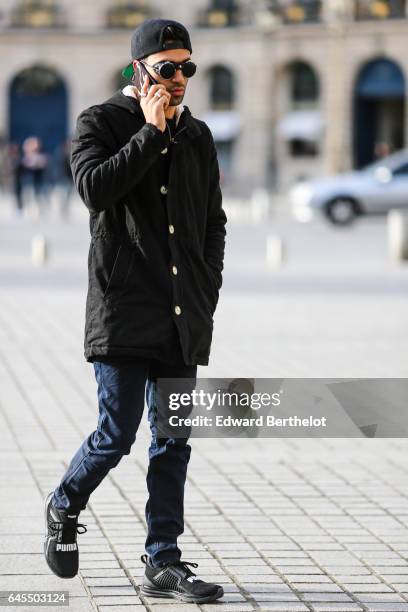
(222, 88)
(304, 86)
(37, 14)
(223, 120)
(301, 125)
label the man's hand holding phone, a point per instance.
(153, 105)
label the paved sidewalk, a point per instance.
(284, 524)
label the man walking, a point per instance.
(148, 172)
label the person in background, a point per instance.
(382, 149)
(16, 170)
(34, 164)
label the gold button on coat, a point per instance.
(171, 229)
(174, 268)
(177, 310)
(163, 189)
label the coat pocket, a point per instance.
(110, 266)
(118, 275)
(214, 295)
(206, 278)
(215, 276)
(202, 281)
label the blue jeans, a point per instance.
(121, 394)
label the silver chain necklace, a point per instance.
(170, 136)
(172, 139)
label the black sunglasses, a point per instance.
(167, 69)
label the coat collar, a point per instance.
(125, 98)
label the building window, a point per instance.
(37, 14)
(301, 126)
(220, 14)
(302, 148)
(380, 9)
(222, 119)
(222, 90)
(127, 14)
(304, 86)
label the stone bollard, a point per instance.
(39, 250)
(397, 226)
(274, 251)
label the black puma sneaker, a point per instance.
(60, 545)
(176, 580)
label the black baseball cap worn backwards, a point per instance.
(148, 39)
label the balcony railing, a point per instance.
(380, 9)
(127, 15)
(37, 14)
(220, 14)
(301, 11)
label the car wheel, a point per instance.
(342, 211)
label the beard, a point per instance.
(176, 100)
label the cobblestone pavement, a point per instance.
(287, 525)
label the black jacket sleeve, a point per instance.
(214, 248)
(101, 178)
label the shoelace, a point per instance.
(182, 564)
(68, 530)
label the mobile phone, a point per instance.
(139, 78)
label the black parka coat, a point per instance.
(156, 252)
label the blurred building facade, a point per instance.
(290, 88)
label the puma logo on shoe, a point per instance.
(67, 547)
(61, 531)
(176, 580)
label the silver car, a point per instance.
(374, 189)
